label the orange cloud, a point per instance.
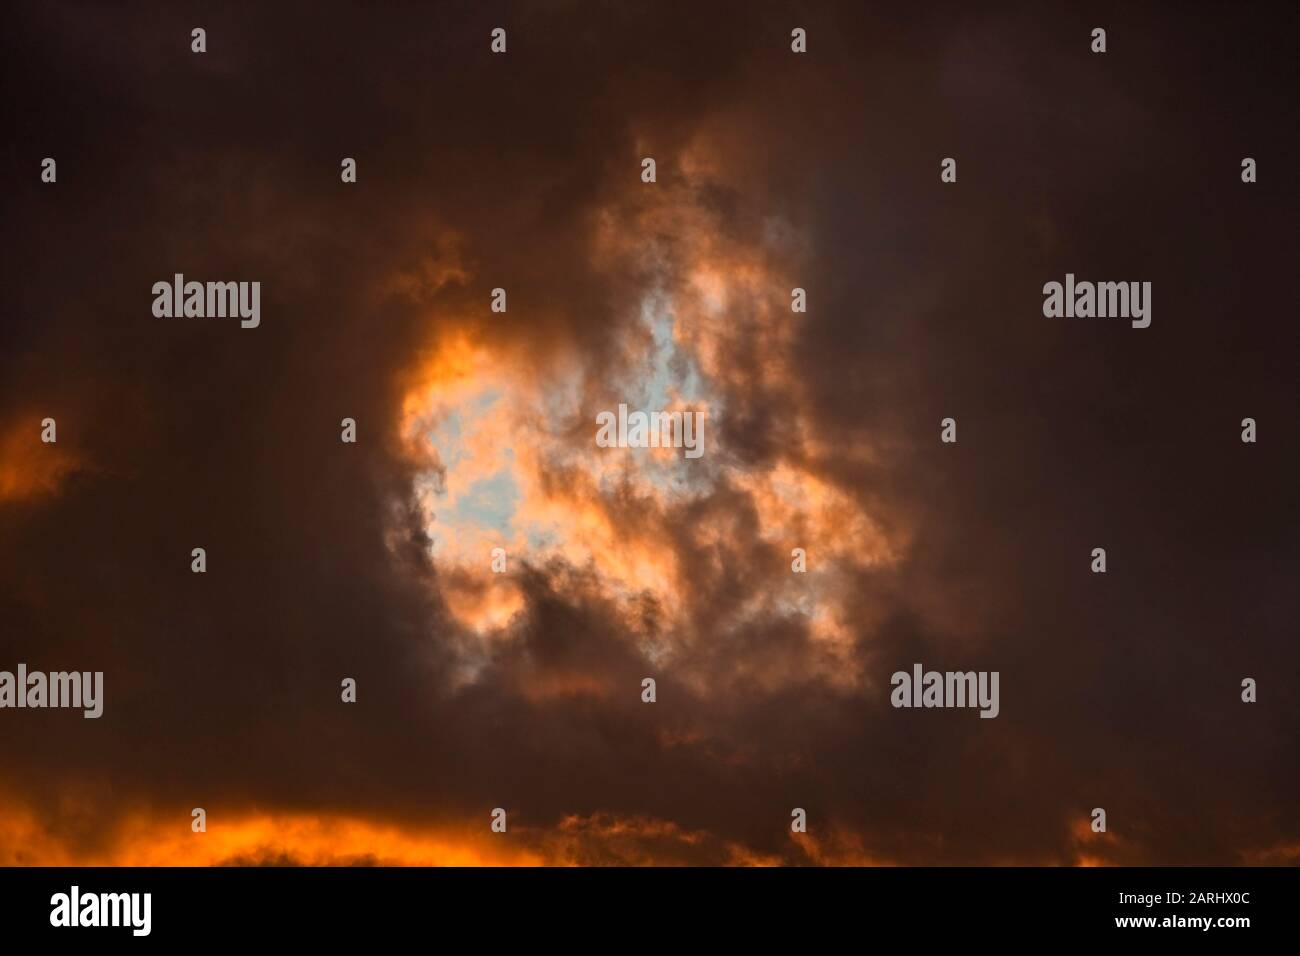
(29, 467)
(305, 839)
(505, 440)
(336, 839)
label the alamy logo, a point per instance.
(652, 430)
(946, 689)
(103, 909)
(178, 298)
(76, 689)
(1101, 300)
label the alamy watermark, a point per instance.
(181, 299)
(75, 908)
(626, 429)
(73, 689)
(1100, 300)
(946, 689)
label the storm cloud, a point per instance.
(476, 429)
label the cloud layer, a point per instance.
(476, 430)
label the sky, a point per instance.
(476, 430)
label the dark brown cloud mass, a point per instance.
(522, 690)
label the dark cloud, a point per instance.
(522, 171)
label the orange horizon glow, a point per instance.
(331, 839)
(300, 838)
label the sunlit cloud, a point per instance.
(508, 442)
